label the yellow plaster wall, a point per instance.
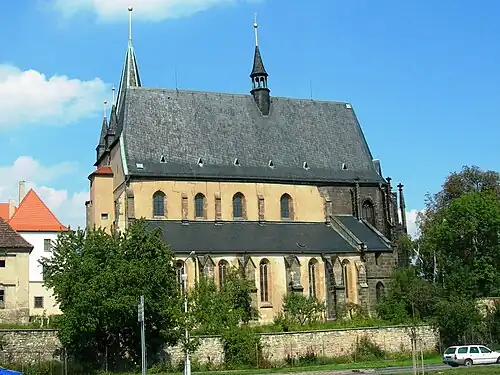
(277, 281)
(14, 278)
(307, 201)
(101, 198)
(50, 307)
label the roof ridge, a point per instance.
(22, 208)
(142, 88)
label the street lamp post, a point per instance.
(187, 363)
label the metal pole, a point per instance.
(143, 339)
(187, 365)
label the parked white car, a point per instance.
(468, 355)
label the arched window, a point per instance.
(346, 275)
(264, 280)
(180, 270)
(313, 272)
(159, 203)
(368, 212)
(380, 291)
(286, 205)
(238, 206)
(199, 206)
(223, 268)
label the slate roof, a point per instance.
(9, 239)
(186, 126)
(252, 237)
(258, 64)
(370, 238)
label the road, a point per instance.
(385, 371)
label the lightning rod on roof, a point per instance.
(130, 9)
(113, 90)
(256, 27)
(105, 108)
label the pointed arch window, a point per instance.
(199, 206)
(238, 206)
(264, 281)
(180, 270)
(159, 204)
(368, 212)
(380, 291)
(346, 274)
(286, 207)
(313, 273)
(223, 269)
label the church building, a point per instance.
(286, 190)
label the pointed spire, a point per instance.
(130, 73)
(260, 91)
(258, 65)
(101, 146)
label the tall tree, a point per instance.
(98, 278)
(459, 244)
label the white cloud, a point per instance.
(411, 222)
(28, 97)
(149, 10)
(68, 207)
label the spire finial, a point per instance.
(130, 9)
(105, 108)
(256, 29)
(113, 90)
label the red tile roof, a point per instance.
(9, 239)
(33, 215)
(4, 211)
(102, 171)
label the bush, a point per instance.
(298, 311)
(366, 349)
(242, 347)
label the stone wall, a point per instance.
(329, 343)
(28, 346)
(41, 345)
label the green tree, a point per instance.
(215, 309)
(97, 279)
(299, 310)
(410, 298)
(458, 246)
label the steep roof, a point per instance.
(306, 140)
(267, 237)
(34, 216)
(9, 239)
(102, 171)
(258, 65)
(4, 211)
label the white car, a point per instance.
(468, 355)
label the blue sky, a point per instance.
(422, 76)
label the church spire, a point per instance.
(101, 146)
(260, 91)
(130, 73)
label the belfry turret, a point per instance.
(260, 91)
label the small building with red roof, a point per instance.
(14, 278)
(38, 225)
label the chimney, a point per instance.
(22, 191)
(12, 208)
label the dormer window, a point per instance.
(270, 164)
(305, 166)
(162, 159)
(200, 162)
(344, 166)
(236, 162)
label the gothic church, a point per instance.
(285, 189)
